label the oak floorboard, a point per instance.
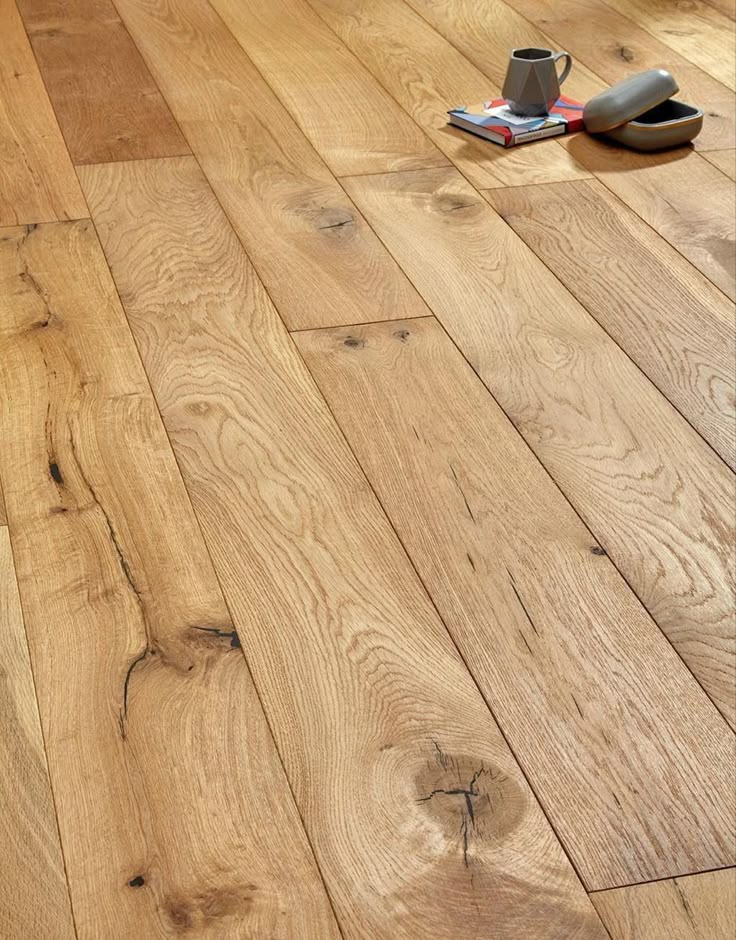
(421, 821)
(427, 75)
(611, 44)
(659, 500)
(320, 262)
(682, 196)
(701, 907)
(537, 610)
(676, 326)
(34, 898)
(105, 99)
(37, 181)
(725, 160)
(354, 125)
(174, 811)
(107, 104)
(693, 28)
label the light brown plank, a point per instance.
(656, 496)
(701, 907)
(487, 32)
(353, 123)
(105, 99)
(319, 260)
(37, 181)
(567, 658)
(691, 27)
(427, 75)
(34, 898)
(614, 47)
(725, 160)
(3, 518)
(682, 196)
(376, 716)
(174, 811)
(676, 326)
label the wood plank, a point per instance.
(320, 262)
(677, 193)
(353, 123)
(3, 517)
(674, 324)
(682, 196)
(701, 907)
(427, 75)
(725, 160)
(656, 496)
(37, 181)
(383, 732)
(105, 99)
(567, 658)
(34, 898)
(174, 810)
(486, 32)
(613, 46)
(691, 27)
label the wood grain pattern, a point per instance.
(319, 260)
(3, 518)
(420, 818)
(37, 181)
(353, 123)
(725, 160)
(674, 324)
(174, 811)
(425, 73)
(34, 898)
(105, 99)
(486, 32)
(539, 613)
(682, 196)
(693, 28)
(727, 7)
(656, 496)
(701, 907)
(614, 46)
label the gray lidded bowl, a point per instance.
(670, 124)
(640, 112)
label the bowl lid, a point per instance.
(628, 99)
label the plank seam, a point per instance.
(590, 313)
(43, 735)
(654, 881)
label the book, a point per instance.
(495, 121)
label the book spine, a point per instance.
(536, 135)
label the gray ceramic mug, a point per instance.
(532, 84)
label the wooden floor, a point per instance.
(368, 498)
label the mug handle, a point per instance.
(568, 65)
